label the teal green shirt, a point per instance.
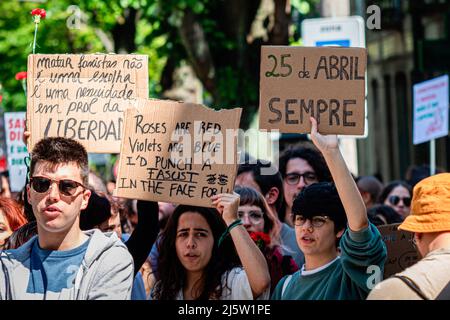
(347, 278)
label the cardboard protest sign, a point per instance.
(177, 152)
(400, 249)
(327, 83)
(83, 97)
(16, 149)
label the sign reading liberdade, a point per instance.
(177, 152)
(83, 97)
(327, 83)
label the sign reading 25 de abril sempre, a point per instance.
(327, 83)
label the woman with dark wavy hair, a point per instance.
(201, 254)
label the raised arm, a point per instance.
(345, 185)
(144, 235)
(252, 259)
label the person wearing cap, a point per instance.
(430, 222)
(326, 216)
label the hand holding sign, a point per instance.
(26, 136)
(324, 143)
(227, 204)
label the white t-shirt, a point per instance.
(236, 287)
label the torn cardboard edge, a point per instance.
(143, 106)
(325, 82)
(126, 63)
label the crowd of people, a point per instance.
(307, 231)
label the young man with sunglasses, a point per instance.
(63, 262)
(300, 167)
(321, 214)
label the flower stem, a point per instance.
(24, 87)
(35, 36)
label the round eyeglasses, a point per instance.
(316, 221)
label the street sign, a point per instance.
(339, 31)
(343, 32)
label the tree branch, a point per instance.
(106, 40)
(279, 35)
(197, 48)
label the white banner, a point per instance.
(16, 149)
(430, 118)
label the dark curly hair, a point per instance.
(321, 199)
(310, 154)
(171, 273)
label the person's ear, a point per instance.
(366, 197)
(418, 236)
(272, 196)
(86, 195)
(420, 247)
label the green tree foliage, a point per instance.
(211, 35)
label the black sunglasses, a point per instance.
(66, 186)
(394, 200)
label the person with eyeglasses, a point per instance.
(62, 262)
(397, 195)
(265, 178)
(300, 167)
(260, 223)
(335, 235)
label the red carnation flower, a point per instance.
(260, 238)
(1, 98)
(39, 12)
(21, 75)
(265, 237)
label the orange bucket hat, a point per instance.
(430, 208)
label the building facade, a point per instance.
(411, 46)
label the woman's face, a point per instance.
(5, 230)
(194, 241)
(252, 217)
(396, 200)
